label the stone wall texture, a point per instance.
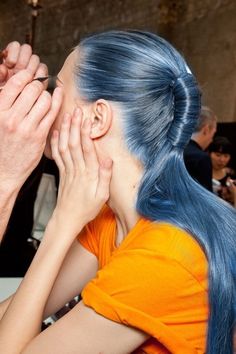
(203, 30)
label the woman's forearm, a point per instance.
(7, 201)
(22, 319)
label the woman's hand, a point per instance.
(84, 179)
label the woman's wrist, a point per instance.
(65, 226)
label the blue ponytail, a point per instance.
(160, 102)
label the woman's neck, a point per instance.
(123, 194)
(218, 174)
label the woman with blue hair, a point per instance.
(156, 264)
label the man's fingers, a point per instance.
(33, 64)
(26, 100)
(13, 88)
(13, 52)
(42, 71)
(25, 53)
(39, 110)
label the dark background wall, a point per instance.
(203, 30)
(61, 23)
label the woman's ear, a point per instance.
(101, 119)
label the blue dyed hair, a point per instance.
(160, 103)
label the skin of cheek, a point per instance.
(218, 162)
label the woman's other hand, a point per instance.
(84, 179)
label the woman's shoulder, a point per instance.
(168, 241)
(162, 235)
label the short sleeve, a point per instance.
(153, 293)
(88, 238)
(98, 232)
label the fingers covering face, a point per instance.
(66, 147)
(74, 151)
(46, 122)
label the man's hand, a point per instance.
(16, 57)
(27, 112)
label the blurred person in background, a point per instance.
(223, 176)
(197, 161)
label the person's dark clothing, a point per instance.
(16, 253)
(198, 164)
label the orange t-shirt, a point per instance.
(156, 281)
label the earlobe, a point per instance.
(102, 118)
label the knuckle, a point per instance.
(72, 145)
(62, 150)
(36, 87)
(20, 80)
(86, 148)
(27, 133)
(17, 81)
(10, 126)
